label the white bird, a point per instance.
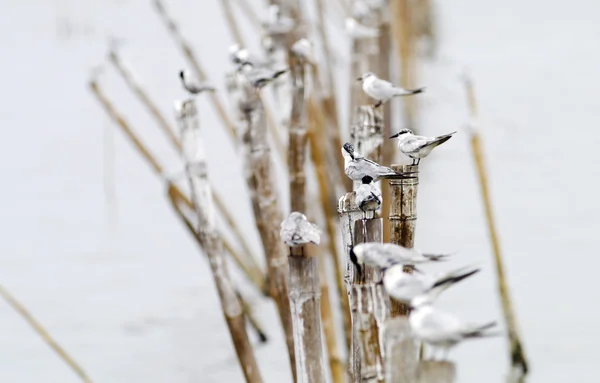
(297, 231)
(382, 90)
(417, 147)
(193, 85)
(356, 30)
(386, 255)
(357, 167)
(404, 287)
(303, 49)
(441, 329)
(259, 77)
(240, 56)
(368, 197)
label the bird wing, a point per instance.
(382, 86)
(440, 325)
(414, 143)
(288, 230)
(382, 255)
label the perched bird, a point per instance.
(368, 197)
(259, 77)
(404, 287)
(357, 167)
(297, 231)
(193, 85)
(386, 255)
(356, 30)
(303, 49)
(382, 90)
(417, 147)
(441, 329)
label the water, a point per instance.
(124, 289)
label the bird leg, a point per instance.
(413, 161)
(378, 104)
(418, 161)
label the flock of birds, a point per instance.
(419, 290)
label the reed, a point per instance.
(200, 187)
(519, 364)
(44, 334)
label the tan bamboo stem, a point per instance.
(265, 204)
(430, 371)
(233, 25)
(136, 87)
(403, 218)
(366, 361)
(44, 334)
(196, 66)
(177, 199)
(517, 353)
(249, 12)
(253, 273)
(401, 358)
(316, 123)
(200, 187)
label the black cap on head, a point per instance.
(401, 132)
(181, 74)
(354, 261)
(348, 147)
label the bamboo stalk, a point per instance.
(265, 204)
(44, 334)
(200, 187)
(401, 358)
(519, 363)
(128, 74)
(173, 29)
(253, 273)
(367, 363)
(177, 199)
(403, 218)
(430, 371)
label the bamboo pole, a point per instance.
(197, 172)
(401, 360)
(265, 204)
(366, 360)
(253, 273)
(432, 371)
(177, 200)
(44, 334)
(132, 81)
(403, 218)
(173, 29)
(518, 358)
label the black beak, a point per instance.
(354, 261)
(395, 135)
(359, 79)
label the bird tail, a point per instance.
(437, 257)
(455, 277)
(409, 92)
(480, 331)
(279, 73)
(441, 139)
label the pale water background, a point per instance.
(124, 288)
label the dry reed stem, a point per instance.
(128, 74)
(316, 141)
(197, 172)
(253, 273)
(261, 183)
(249, 12)
(403, 218)
(43, 333)
(401, 359)
(193, 61)
(517, 354)
(367, 363)
(177, 199)
(233, 25)
(402, 29)
(433, 371)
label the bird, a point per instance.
(303, 49)
(259, 77)
(296, 231)
(385, 255)
(404, 287)
(356, 30)
(357, 167)
(193, 85)
(417, 147)
(368, 197)
(441, 329)
(382, 90)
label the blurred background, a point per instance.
(93, 249)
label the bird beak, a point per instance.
(395, 135)
(359, 79)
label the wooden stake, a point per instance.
(403, 217)
(430, 371)
(401, 358)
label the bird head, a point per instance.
(348, 148)
(365, 76)
(401, 133)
